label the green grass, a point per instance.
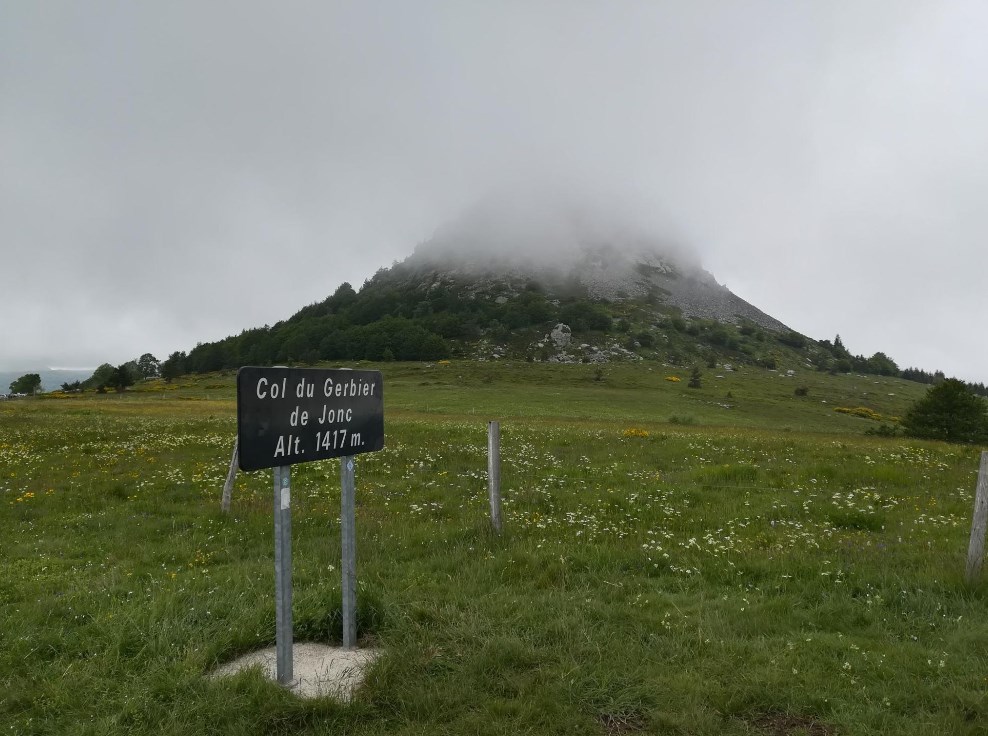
(764, 568)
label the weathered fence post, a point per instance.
(494, 472)
(976, 549)
(231, 476)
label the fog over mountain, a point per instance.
(553, 226)
(176, 172)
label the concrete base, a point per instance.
(320, 670)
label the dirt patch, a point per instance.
(320, 671)
(786, 724)
(616, 724)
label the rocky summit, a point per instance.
(530, 283)
(574, 259)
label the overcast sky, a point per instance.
(175, 172)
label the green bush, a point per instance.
(948, 412)
(792, 339)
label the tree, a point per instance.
(342, 298)
(133, 371)
(948, 412)
(121, 378)
(839, 350)
(883, 365)
(696, 378)
(173, 367)
(100, 376)
(29, 383)
(148, 366)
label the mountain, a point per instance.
(539, 287)
(535, 283)
(540, 283)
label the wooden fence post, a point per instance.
(494, 472)
(976, 549)
(231, 476)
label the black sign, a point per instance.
(295, 415)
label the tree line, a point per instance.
(386, 322)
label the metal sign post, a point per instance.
(348, 532)
(294, 415)
(283, 572)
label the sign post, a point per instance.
(283, 572)
(348, 533)
(294, 415)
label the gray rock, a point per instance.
(561, 335)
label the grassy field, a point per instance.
(732, 559)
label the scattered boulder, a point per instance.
(561, 335)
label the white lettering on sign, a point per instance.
(272, 391)
(330, 416)
(351, 388)
(343, 389)
(288, 447)
(338, 439)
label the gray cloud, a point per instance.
(177, 172)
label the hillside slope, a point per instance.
(542, 288)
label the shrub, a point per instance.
(719, 336)
(860, 411)
(801, 391)
(884, 430)
(948, 412)
(792, 339)
(582, 316)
